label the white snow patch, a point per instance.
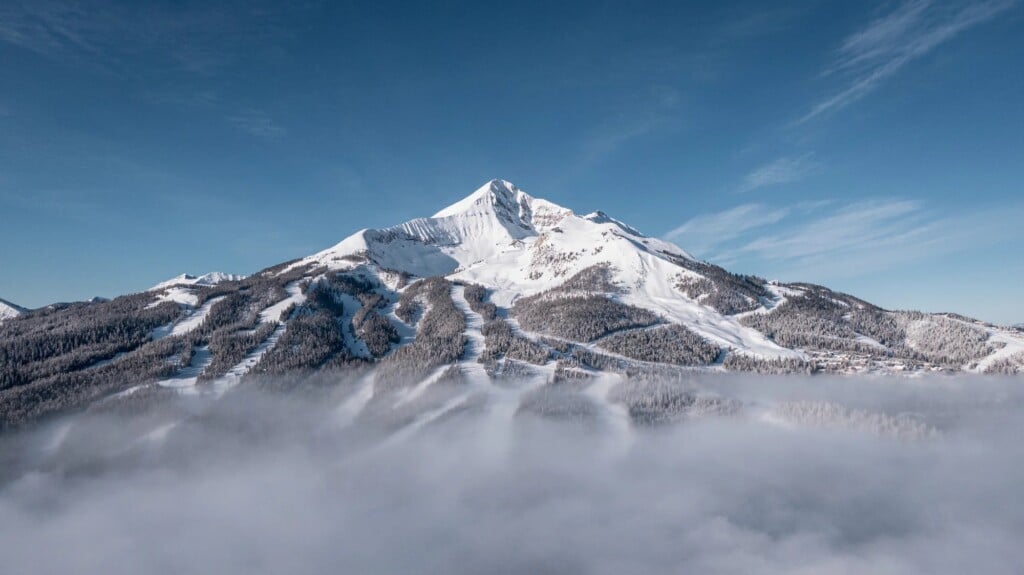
(179, 288)
(475, 341)
(351, 306)
(1013, 344)
(9, 310)
(187, 377)
(179, 295)
(210, 279)
(192, 321)
(109, 360)
(273, 313)
(861, 338)
(253, 357)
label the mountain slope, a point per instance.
(517, 245)
(177, 289)
(9, 310)
(210, 279)
(498, 285)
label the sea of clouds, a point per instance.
(804, 475)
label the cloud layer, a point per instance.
(269, 486)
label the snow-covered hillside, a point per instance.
(499, 285)
(180, 288)
(210, 279)
(9, 310)
(517, 245)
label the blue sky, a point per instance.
(875, 147)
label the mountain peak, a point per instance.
(513, 208)
(494, 193)
(600, 217)
(209, 279)
(498, 222)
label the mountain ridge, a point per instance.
(207, 279)
(500, 284)
(9, 310)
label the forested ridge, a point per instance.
(67, 356)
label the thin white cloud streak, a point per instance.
(828, 240)
(200, 41)
(52, 29)
(884, 47)
(605, 142)
(927, 239)
(853, 226)
(658, 110)
(708, 231)
(784, 170)
(882, 37)
(258, 123)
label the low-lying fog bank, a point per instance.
(735, 475)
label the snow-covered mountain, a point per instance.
(9, 310)
(179, 288)
(516, 245)
(210, 279)
(500, 284)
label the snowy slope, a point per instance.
(9, 310)
(497, 225)
(567, 298)
(178, 289)
(210, 279)
(518, 245)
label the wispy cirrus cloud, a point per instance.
(833, 239)
(881, 49)
(857, 226)
(198, 40)
(654, 110)
(707, 232)
(257, 123)
(783, 170)
(52, 28)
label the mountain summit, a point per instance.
(499, 230)
(492, 220)
(500, 284)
